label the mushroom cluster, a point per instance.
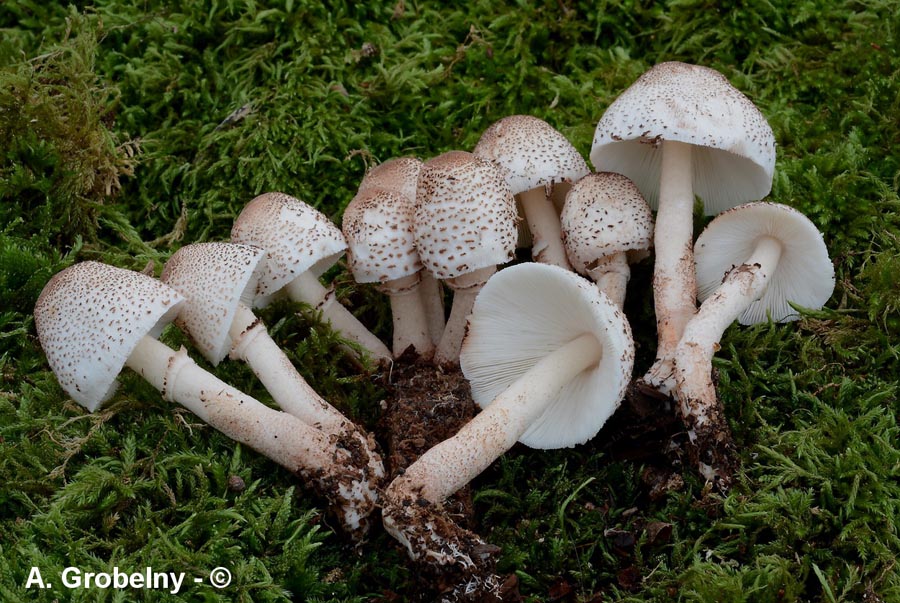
(548, 353)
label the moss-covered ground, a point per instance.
(130, 128)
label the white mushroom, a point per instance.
(534, 157)
(378, 226)
(772, 256)
(604, 220)
(93, 319)
(218, 282)
(682, 130)
(548, 357)
(301, 244)
(401, 175)
(465, 226)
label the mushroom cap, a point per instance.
(465, 215)
(604, 214)
(734, 147)
(214, 278)
(378, 226)
(400, 175)
(531, 153)
(91, 316)
(296, 237)
(529, 310)
(804, 276)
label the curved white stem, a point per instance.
(465, 290)
(693, 360)
(674, 277)
(453, 463)
(432, 293)
(611, 275)
(307, 288)
(409, 317)
(543, 221)
(285, 439)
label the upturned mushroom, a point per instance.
(682, 130)
(605, 219)
(93, 319)
(401, 175)
(301, 244)
(772, 256)
(218, 282)
(548, 357)
(465, 225)
(378, 226)
(534, 157)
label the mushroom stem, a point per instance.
(307, 288)
(453, 463)
(300, 448)
(674, 278)
(409, 317)
(543, 221)
(253, 345)
(611, 275)
(433, 299)
(465, 290)
(711, 445)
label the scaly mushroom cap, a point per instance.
(378, 226)
(214, 278)
(527, 311)
(296, 237)
(90, 317)
(465, 215)
(604, 214)
(804, 276)
(531, 153)
(734, 152)
(400, 175)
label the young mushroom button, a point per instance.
(534, 157)
(219, 281)
(605, 220)
(682, 130)
(772, 256)
(93, 319)
(548, 357)
(378, 226)
(465, 225)
(401, 175)
(301, 244)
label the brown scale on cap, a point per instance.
(465, 215)
(296, 236)
(531, 153)
(400, 175)
(378, 226)
(90, 317)
(604, 214)
(695, 105)
(215, 278)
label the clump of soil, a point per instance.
(425, 406)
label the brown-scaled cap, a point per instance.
(378, 226)
(214, 278)
(91, 316)
(400, 175)
(465, 215)
(734, 147)
(604, 214)
(296, 237)
(531, 153)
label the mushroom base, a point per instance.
(710, 447)
(456, 558)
